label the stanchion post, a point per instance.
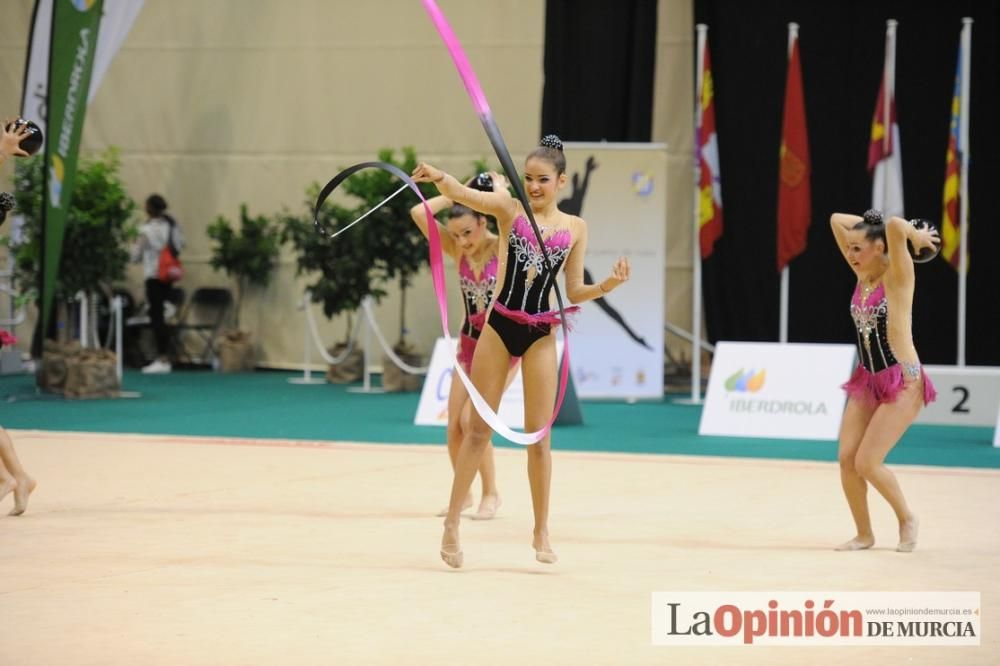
(306, 378)
(366, 386)
(116, 306)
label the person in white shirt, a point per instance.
(154, 235)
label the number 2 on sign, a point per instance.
(960, 408)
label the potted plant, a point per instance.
(249, 256)
(341, 268)
(94, 254)
(397, 247)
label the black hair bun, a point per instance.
(872, 216)
(483, 182)
(6, 203)
(551, 141)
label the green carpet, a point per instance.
(264, 405)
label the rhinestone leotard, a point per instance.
(521, 314)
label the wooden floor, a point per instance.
(184, 552)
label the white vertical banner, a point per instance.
(620, 190)
(964, 150)
(885, 151)
(117, 20)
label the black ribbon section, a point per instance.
(350, 171)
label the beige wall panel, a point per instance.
(217, 103)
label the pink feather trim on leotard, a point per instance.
(550, 318)
(876, 388)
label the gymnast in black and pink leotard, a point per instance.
(477, 294)
(520, 322)
(467, 239)
(889, 386)
(521, 314)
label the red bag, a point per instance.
(170, 269)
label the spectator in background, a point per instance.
(154, 235)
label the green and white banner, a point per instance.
(75, 24)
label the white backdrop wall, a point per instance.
(617, 343)
(213, 104)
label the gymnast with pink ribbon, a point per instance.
(467, 239)
(539, 253)
(522, 323)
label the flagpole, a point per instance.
(793, 34)
(889, 72)
(963, 141)
(696, 239)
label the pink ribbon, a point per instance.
(482, 107)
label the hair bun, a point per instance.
(483, 182)
(7, 202)
(551, 141)
(872, 216)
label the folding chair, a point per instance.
(201, 320)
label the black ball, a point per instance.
(927, 253)
(483, 183)
(33, 141)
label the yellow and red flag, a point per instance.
(709, 185)
(951, 230)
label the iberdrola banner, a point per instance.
(75, 24)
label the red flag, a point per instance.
(880, 144)
(794, 205)
(709, 186)
(884, 158)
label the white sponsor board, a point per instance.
(996, 433)
(967, 396)
(761, 389)
(620, 190)
(433, 406)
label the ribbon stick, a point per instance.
(372, 210)
(482, 107)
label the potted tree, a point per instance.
(341, 268)
(247, 255)
(397, 247)
(363, 261)
(94, 255)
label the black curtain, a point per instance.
(599, 63)
(842, 47)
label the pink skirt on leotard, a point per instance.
(877, 388)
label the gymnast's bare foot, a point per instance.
(451, 550)
(543, 549)
(24, 488)
(908, 535)
(467, 504)
(860, 542)
(7, 484)
(487, 508)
